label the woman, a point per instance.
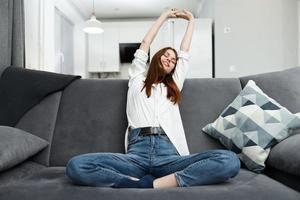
(157, 154)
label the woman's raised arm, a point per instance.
(138, 66)
(149, 37)
(187, 38)
(182, 67)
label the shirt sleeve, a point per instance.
(181, 69)
(138, 65)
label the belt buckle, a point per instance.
(154, 130)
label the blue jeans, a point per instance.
(155, 155)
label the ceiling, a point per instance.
(116, 9)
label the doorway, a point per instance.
(63, 44)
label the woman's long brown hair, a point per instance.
(157, 74)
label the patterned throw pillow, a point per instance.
(251, 125)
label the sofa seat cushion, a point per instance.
(19, 172)
(52, 183)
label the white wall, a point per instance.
(32, 36)
(290, 32)
(206, 9)
(64, 44)
(47, 38)
(261, 39)
(80, 39)
(80, 52)
(201, 46)
(40, 35)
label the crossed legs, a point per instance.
(106, 169)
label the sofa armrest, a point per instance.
(285, 156)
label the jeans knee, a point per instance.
(231, 164)
(228, 163)
(73, 169)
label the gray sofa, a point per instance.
(90, 116)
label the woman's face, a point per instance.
(168, 60)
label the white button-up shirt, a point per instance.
(157, 110)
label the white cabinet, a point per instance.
(95, 54)
(103, 49)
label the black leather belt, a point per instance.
(151, 131)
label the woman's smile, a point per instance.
(166, 64)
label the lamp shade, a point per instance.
(93, 26)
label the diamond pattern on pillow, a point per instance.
(251, 125)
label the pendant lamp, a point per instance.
(93, 26)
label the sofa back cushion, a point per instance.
(40, 121)
(92, 115)
(283, 86)
(202, 101)
(91, 118)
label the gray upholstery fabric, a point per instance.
(12, 39)
(290, 180)
(101, 116)
(202, 101)
(19, 172)
(2, 69)
(40, 121)
(285, 156)
(52, 183)
(283, 86)
(91, 118)
(17, 145)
